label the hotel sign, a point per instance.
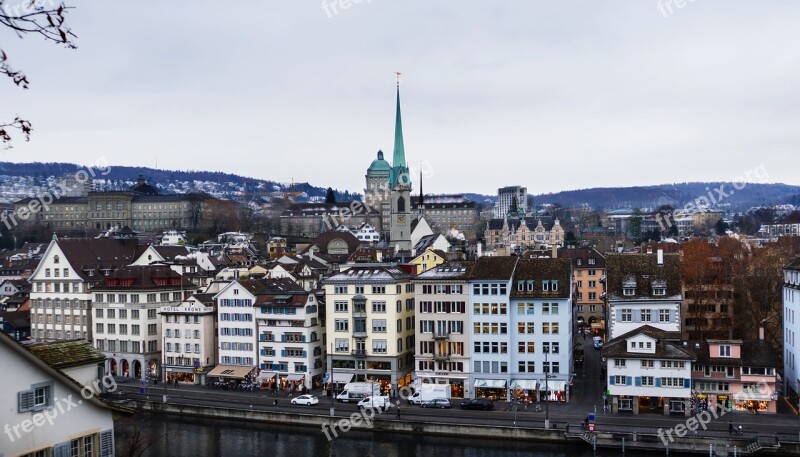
(185, 309)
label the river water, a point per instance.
(174, 436)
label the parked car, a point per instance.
(436, 403)
(307, 400)
(478, 403)
(598, 342)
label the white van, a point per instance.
(375, 402)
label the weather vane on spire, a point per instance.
(398, 78)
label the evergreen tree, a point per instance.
(330, 198)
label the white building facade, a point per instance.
(190, 339)
(649, 371)
(442, 326)
(791, 326)
(541, 321)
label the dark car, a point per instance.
(478, 403)
(436, 403)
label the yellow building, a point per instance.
(428, 259)
(370, 326)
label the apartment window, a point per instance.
(379, 346)
(627, 315)
(663, 315)
(378, 289)
(648, 381)
(645, 316)
(151, 329)
(379, 325)
(546, 328)
(342, 345)
(340, 306)
(724, 350)
(151, 313)
(341, 325)
(619, 363)
(359, 289)
(379, 307)
(647, 364)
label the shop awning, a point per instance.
(491, 383)
(553, 385)
(267, 375)
(523, 384)
(295, 377)
(342, 378)
(230, 371)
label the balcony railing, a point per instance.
(441, 357)
(359, 333)
(360, 353)
(441, 336)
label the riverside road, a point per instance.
(586, 398)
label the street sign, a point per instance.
(169, 369)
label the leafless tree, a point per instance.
(39, 17)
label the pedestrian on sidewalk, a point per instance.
(398, 411)
(176, 382)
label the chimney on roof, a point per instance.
(761, 331)
(555, 252)
(660, 255)
(379, 255)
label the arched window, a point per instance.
(401, 205)
(56, 259)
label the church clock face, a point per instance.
(401, 218)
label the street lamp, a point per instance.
(546, 349)
(330, 364)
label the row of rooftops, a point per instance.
(669, 346)
(527, 276)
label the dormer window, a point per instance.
(725, 350)
(520, 285)
(578, 262)
(629, 291)
(554, 286)
(546, 286)
(530, 286)
(591, 261)
(660, 291)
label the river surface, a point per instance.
(174, 436)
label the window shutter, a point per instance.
(283, 352)
(638, 381)
(658, 382)
(107, 443)
(61, 450)
(687, 383)
(25, 401)
(628, 381)
(610, 380)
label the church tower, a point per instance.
(400, 184)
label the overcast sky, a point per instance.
(553, 95)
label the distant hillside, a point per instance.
(597, 198)
(121, 174)
(678, 195)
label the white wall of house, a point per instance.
(490, 305)
(75, 422)
(60, 299)
(189, 323)
(621, 322)
(291, 344)
(791, 329)
(237, 327)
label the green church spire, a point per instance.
(400, 174)
(399, 159)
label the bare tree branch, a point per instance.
(41, 17)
